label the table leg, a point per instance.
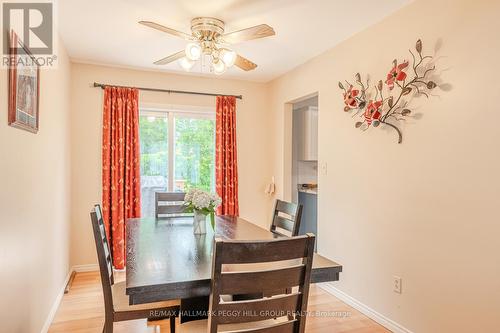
(195, 308)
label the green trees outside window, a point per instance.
(193, 155)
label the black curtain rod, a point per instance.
(102, 85)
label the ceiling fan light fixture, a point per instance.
(186, 63)
(208, 39)
(227, 56)
(218, 67)
(193, 51)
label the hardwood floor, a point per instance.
(82, 311)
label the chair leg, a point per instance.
(108, 327)
(172, 324)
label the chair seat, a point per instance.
(200, 326)
(121, 301)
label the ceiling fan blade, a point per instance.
(259, 31)
(170, 58)
(244, 63)
(167, 30)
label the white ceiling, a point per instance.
(107, 32)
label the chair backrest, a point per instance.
(103, 256)
(169, 203)
(262, 268)
(286, 218)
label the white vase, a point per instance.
(199, 223)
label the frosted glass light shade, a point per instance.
(193, 51)
(219, 67)
(186, 63)
(228, 57)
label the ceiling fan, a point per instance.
(208, 39)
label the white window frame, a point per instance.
(171, 111)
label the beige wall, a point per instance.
(34, 203)
(254, 134)
(425, 210)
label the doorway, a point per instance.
(304, 175)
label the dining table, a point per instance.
(166, 260)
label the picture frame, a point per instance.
(24, 87)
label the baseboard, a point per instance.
(60, 294)
(367, 311)
(328, 287)
(85, 268)
(55, 305)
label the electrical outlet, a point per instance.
(397, 284)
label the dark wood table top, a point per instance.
(165, 260)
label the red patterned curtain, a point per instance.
(121, 187)
(226, 164)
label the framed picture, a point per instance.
(24, 86)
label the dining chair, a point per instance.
(116, 301)
(169, 204)
(253, 267)
(286, 218)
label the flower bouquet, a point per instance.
(201, 203)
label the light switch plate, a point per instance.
(324, 168)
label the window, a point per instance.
(177, 153)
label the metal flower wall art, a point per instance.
(388, 102)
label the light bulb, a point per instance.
(193, 51)
(228, 56)
(219, 67)
(186, 63)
